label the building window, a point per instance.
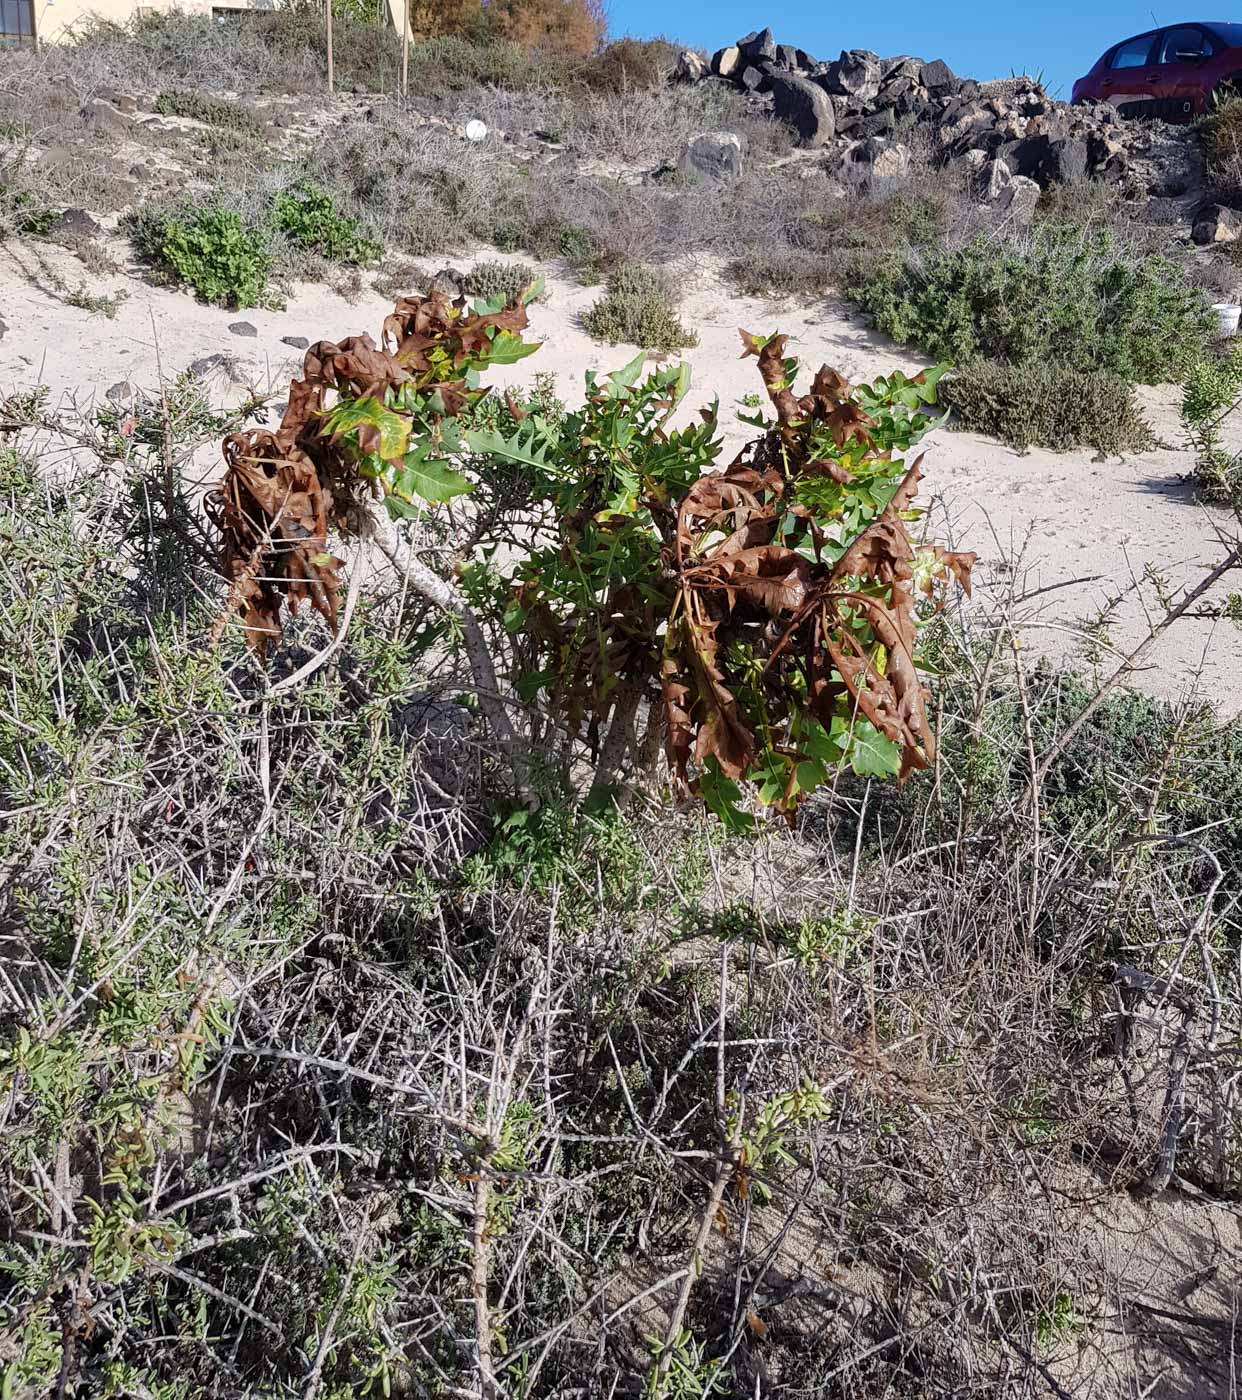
(16, 22)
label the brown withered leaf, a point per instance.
(777, 579)
(272, 513)
(772, 367)
(847, 422)
(284, 491)
(831, 386)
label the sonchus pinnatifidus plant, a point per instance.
(763, 618)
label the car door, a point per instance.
(1129, 77)
(1182, 56)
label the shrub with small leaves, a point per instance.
(497, 279)
(1068, 298)
(308, 214)
(1048, 406)
(637, 308)
(225, 261)
(1210, 391)
(214, 111)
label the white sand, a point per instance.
(1066, 515)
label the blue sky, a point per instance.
(980, 40)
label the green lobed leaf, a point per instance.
(346, 417)
(428, 478)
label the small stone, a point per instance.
(126, 103)
(448, 282)
(124, 392)
(243, 328)
(937, 77)
(1017, 201)
(102, 116)
(295, 342)
(855, 74)
(209, 364)
(758, 46)
(690, 67)
(74, 223)
(715, 155)
(3, 327)
(996, 178)
(804, 105)
(891, 164)
(725, 61)
(903, 67)
(1216, 224)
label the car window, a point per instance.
(1184, 40)
(1134, 53)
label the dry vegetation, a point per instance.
(343, 1054)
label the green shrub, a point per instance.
(308, 214)
(1074, 300)
(1211, 388)
(224, 260)
(1048, 406)
(490, 279)
(637, 309)
(214, 111)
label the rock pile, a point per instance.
(872, 112)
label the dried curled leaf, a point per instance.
(789, 641)
(346, 434)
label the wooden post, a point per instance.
(331, 72)
(405, 47)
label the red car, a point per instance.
(1170, 73)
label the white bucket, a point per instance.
(1227, 315)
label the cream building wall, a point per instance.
(54, 18)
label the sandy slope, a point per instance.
(1066, 516)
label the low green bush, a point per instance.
(1074, 300)
(1048, 406)
(225, 261)
(637, 309)
(1210, 390)
(214, 111)
(309, 215)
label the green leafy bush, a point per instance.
(497, 279)
(1211, 389)
(308, 214)
(1074, 300)
(637, 309)
(1048, 406)
(204, 107)
(224, 260)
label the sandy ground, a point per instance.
(1041, 519)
